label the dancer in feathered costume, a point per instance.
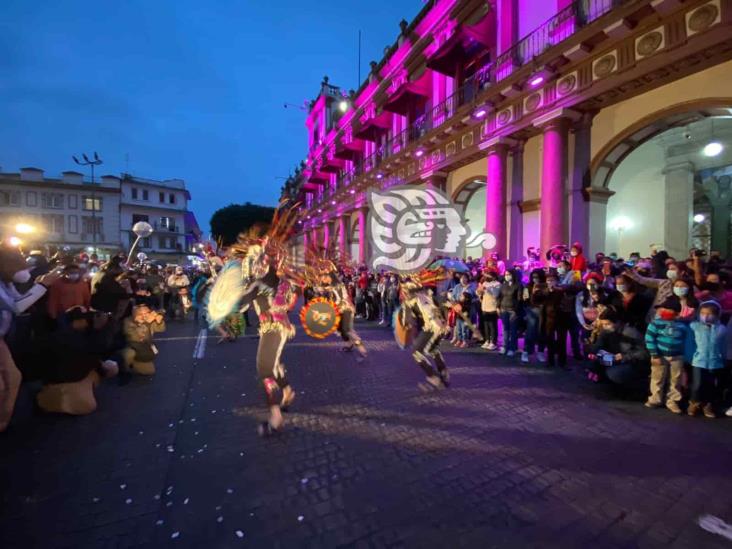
(419, 309)
(331, 286)
(267, 280)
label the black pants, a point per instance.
(489, 322)
(557, 343)
(270, 371)
(706, 385)
(427, 345)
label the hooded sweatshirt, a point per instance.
(708, 342)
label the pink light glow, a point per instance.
(352, 191)
(419, 153)
(379, 176)
(480, 113)
(536, 81)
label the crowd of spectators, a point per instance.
(67, 321)
(653, 325)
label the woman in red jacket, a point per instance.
(578, 261)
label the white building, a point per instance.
(163, 204)
(64, 212)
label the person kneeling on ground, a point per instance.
(618, 354)
(139, 329)
(78, 364)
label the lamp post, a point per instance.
(621, 224)
(91, 163)
(142, 229)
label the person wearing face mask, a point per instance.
(532, 313)
(589, 302)
(664, 287)
(578, 262)
(509, 309)
(554, 320)
(709, 349)
(72, 290)
(689, 303)
(619, 353)
(566, 276)
(488, 291)
(631, 305)
(666, 341)
(713, 289)
(14, 270)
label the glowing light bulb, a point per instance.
(698, 218)
(713, 149)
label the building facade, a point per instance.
(534, 117)
(72, 212)
(164, 205)
(65, 212)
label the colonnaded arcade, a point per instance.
(607, 122)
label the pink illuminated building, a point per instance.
(524, 112)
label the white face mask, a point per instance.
(672, 274)
(21, 277)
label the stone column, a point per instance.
(363, 245)
(595, 199)
(679, 198)
(343, 235)
(719, 194)
(516, 230)
(495, 193)
(554, 211)
(580, 179)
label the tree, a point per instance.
(228, 222)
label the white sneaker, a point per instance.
(541, 356)
(486, 346)
(492, 347)
(510, 353)
(728, 413)
(525, 358)
(502, 350)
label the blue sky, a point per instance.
(186, 88)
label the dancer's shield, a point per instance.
(320, 317)
(405, 327)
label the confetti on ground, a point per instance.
(185, 501)
(304, 481)
(128, 501)
(239, 534)
(300, 518)
(141, 432)
(156, 496)
(174, 535)
(159, 523)
(229, 491)
(169, 504)
(220, 519)
(122, 486)
(95, 500)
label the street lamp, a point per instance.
(142, 229)
(96, 162)
(24, 228)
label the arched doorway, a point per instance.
(668, 177)
(470, 195)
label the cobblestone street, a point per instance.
(510, 456)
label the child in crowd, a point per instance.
(666, 340)
(708, 362)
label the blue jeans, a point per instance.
(509, 321)
(532, 339)
(461, 330)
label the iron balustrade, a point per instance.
(552, 32)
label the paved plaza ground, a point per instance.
(510, 456)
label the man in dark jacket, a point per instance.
(619, 354)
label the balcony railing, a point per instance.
(557, 29)
(163, 228)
